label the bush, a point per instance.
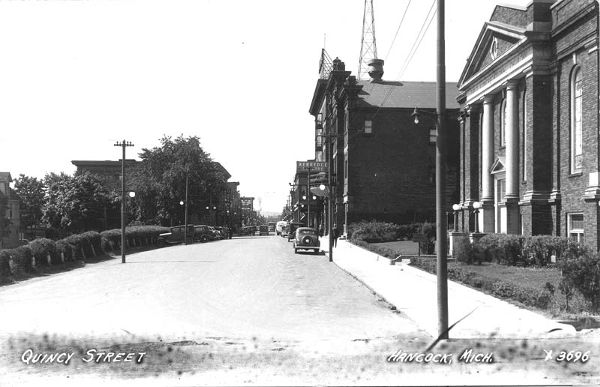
(95, 241)
(583, 274)
(4, 264)
(467, 253)
(428, 229)
(41, 248)
(503, 249)
(538, 250)
(373, 231)
(406, 231)
(21, 260)
(65, 248)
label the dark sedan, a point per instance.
(306, 238)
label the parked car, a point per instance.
(306, 239)
(280, 227)
(202, 234)
(263, 230)
(176, 235)
(224, 231)
(291, 230)
(215, 233)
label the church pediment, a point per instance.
(498, 166)
(495, 40)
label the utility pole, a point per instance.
(330, 193)
(440, 177)
(185, 208)
(124, 144)
(308, 194)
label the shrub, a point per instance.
(503, 249)
(41, 248)
(406, 231)
(538, 250)
(21, 260)
(373, 231)
(428, 229)
(583, 274)
(95, 241)
(4, 264)
(467, 253)
(65, 248)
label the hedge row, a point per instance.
(375, 232)
(134, 236)
(539, 298)
(517, 250)
(44, 252)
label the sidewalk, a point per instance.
(414, 293)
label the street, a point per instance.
(246, 310)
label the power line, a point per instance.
(398, 30)
(422, 32)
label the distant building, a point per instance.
(306, 199)
(109, 171)
(383, 163)
(9, 213)
(530, 142)
(247, 207)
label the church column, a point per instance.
(512, 157)
(487, 158)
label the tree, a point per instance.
(30, 191)
(159, 180)
(74, 203)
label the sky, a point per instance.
(77, 76)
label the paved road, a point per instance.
(240, 311)
(239, 288)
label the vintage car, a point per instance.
(202, 233)
(216, 235)
(176, 235)
(291, 230)
(263, 229)
(306, 239)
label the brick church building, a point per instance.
(529, 134)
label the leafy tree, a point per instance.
(74, 203)
(159, 180)
(4, 221)
(31, 192)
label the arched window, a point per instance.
(576, 121)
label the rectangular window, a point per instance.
(368, 126)
(575, 227)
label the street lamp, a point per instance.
(456, 208)
(476, 207)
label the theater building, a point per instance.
(529, 134)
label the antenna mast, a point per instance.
(368, 45)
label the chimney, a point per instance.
(376, 70)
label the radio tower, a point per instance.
(368, 45)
